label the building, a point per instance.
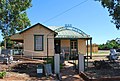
(94, 48)
(39, 40)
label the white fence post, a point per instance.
(57, 63)
(11, 52)
(11, 55)
(81, 62)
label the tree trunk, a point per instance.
(5, 43)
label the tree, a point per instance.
(13, 16)
(113, 7)
(9, 43)
(109, 44)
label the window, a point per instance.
(73, 44)
(38, 42)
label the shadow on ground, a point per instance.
(28, 68)
(70, 74)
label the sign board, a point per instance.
(39, 70)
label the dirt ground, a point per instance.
(69, 74)
(26, 71)
(105, 69)
(22, 70)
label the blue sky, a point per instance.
(90, 17)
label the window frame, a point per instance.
(73, 44)
(42, 43)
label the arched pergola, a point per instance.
(71, 28)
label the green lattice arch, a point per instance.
(70, 32)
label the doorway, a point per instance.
(57, 47)
(73, 49)
(74, 53)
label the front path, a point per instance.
(68, 74)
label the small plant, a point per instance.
(2, 74)
(61, 66)
(50, 61)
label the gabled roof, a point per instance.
(36, 25)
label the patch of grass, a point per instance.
(103, 52)
(94, 53)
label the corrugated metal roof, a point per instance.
(68, 32)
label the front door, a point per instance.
(57, 47)
(74, 53)
(73, 45)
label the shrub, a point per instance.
(61, 66)
(50, 61)
(2, 74)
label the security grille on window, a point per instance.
(38, 42)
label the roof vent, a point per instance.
(68, 25)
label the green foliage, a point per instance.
(2, 74)
(61, 66)
(113, 7)
(109, 45)
(9, 43)
(13, 16)
(2, 43)
(50, 61)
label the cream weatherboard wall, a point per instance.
(65, 43)
(28, 37)
(51, 46)
(81, 46)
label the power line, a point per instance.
(65, 11)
